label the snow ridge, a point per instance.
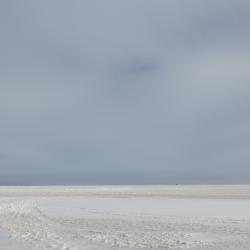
(25, 223)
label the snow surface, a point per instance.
(109, 218)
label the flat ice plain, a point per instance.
(125, 217)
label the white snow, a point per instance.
(234, 209)
(144, 217)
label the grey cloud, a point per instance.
(124, 92)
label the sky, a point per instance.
(124, 92)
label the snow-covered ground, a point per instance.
(128, 217)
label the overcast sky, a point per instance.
(124, 92)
